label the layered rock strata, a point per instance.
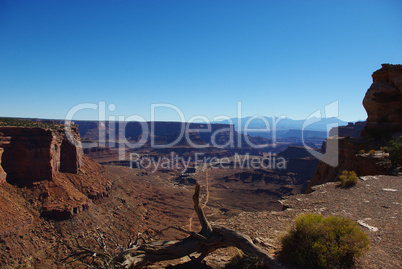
(36, 154)
(383, 103)
(350, 158)
(383, 100)
(49, 166)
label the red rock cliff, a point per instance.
(60, 181)
(383, 103)
(35, 154)
(3, 174)
(383, 100)
(350, 159)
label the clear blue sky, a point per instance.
(276, 57)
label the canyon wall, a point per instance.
(351, 130)
(36, 154)
(3, 174)
(350, 159)
(164, 133)
(383, 103)
(383, 100)
(49, 168)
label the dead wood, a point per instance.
(202, 243)
(206, 241)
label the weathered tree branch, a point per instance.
(206, 241)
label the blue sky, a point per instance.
(275, 57)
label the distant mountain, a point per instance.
(284, 124)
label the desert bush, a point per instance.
(395, 151)
(362, 151)
(372, 152)
(324, 242)
(348, 178)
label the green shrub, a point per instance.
(395, 151)
(348, 178)
(372, 152)
(324, 242)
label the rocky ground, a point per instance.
(148, 203)
(375, 203)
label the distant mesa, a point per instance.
(350, 130)
(294, 152)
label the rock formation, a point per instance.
(351, 130)
(383, 103)
(35, 154)
(49, 162)
(383, 100)
(3, 174)
(350, 159)
(294, 152)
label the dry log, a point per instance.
(206, 241)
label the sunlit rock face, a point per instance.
(49, 167)
(34, 154)
(383, 100)
(383, 103)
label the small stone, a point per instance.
(365, 225)
(386, 189)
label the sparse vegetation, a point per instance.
(244, 261)
(30, 123)
(395, 151)
(362, 151)
(372, 152)
(348, 178)
(324, 242)
(140, 254)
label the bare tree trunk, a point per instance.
(206, 241)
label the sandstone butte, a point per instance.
(51, 193)
(50, 164)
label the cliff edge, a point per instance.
(48, 169)
(374, 203)
(383, 100)
(383, 103)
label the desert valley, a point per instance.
(81, 193)
(200, 134)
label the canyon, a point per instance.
(56, 191)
